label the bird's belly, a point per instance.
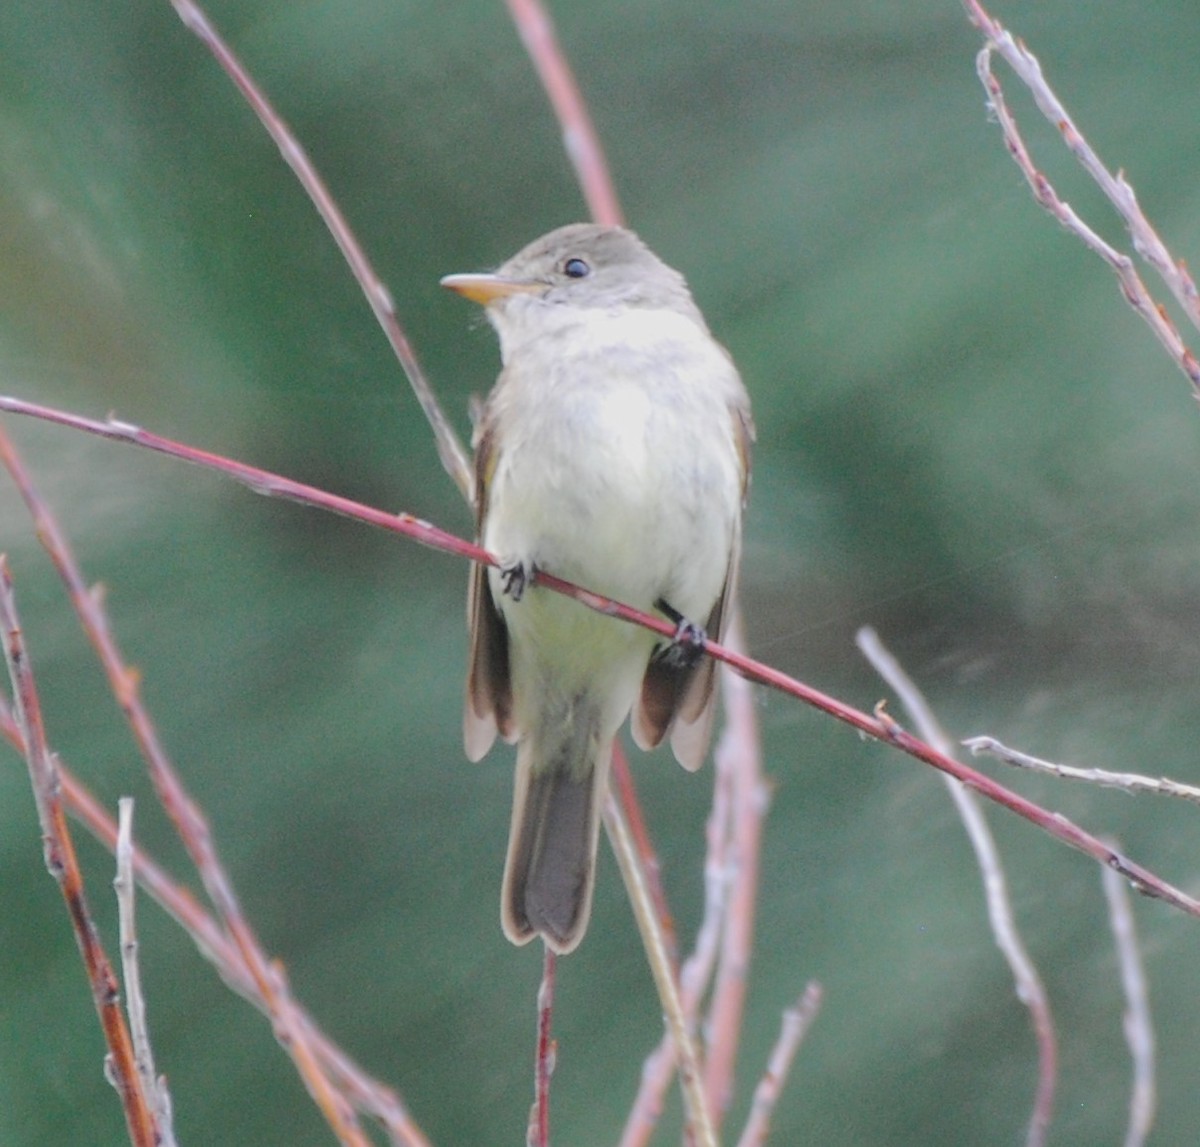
(623, 497)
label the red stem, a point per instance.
(546, 1051)
(879, 727)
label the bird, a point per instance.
(613, 452)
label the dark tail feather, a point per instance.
(551, 865)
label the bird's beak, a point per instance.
(487, 289)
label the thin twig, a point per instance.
(695, 1103)
(1139, 1029)
(368, 1095)
(1058, 826)
(622, 784)
(154, 1085)
(697, 970)
(63, 865)
(547, 1051)
(190, 824)
(1129, 782)
(450, 451)
(796, 1021)
(260, 481)
(579, 137)
(1030, 989)
(1146, 241)
(1116, 188)
(741, 750)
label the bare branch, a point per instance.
(698, 969)
(580, 141)
(1030, 989)
(1130, 782)
(367, 1094)
(875, 727)
(450, 451)
(1146, 241)
(1139, 1029)
(547, 1051)
(695, 1102)
(796, 1022)
(154, 1085)
(740, 752)
(63, 865)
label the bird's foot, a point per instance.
(516, 577)
(687, 646)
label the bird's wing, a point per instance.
(679, 698)
(488, 708)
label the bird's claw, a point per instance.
(687, 645)
(515, 578)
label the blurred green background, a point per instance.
(966, 440)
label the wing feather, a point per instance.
(488, 708)
(679, 700)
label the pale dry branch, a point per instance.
(1029, 987)
(796, 1021)
(63, 865)
(662, 968)
(539, 1117)
(368, 1095)
(646, 857)
(1146, 241)
(733, 835)
(740, 752)
(697, 971)
(1129, 782)
(153, 1084)
(1137, 1024)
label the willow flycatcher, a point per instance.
(614, 452)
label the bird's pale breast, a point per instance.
(619, 468)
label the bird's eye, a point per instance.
(576, 269)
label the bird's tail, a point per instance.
(557, 804)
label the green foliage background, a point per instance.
(965, 440)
